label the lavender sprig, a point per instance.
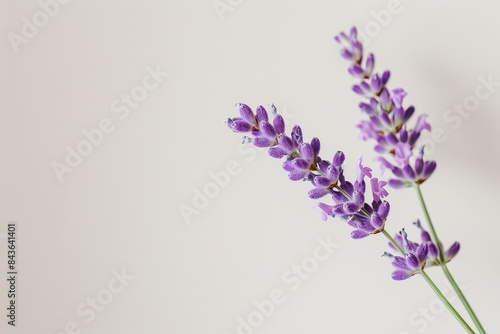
(418, 255)
(387, 125)
(388, 119)
(302, 162)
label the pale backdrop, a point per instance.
(102, 244)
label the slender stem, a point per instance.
(442, 262)
(395, 244)
(431, 226)
(446, 302)
(462, 298)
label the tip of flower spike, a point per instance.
(387, 254)
(274, 110)
(246, 140)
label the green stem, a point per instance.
(431, 226)
(442, 262)
(393, 242)
(462, 298)
(446, 302)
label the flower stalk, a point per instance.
(443, 265)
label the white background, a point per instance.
(119, 208)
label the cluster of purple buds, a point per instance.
(302, 162)
(387, 118)
(418, 255)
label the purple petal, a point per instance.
(376, 221)
(365, 87)
(383, 210)
(399, 262)
(350, 207)
(408, 172)
(348, 187)
(412, 261)
(433, 250)
(240, 125)
(286, 144)
(246, 113)
(419, 166)
(402, 154)
(356, 71)
(318, 193)
(358, 198)
(332, 173)
(263, 142)
(365, 107)
(363, 171)
(316, 145)
(421, 252)
(452, 251)
(403, 136)
(385, 100)
(353, 34)
(338, 209)
(414, 135)
(261, 114)
(407, 245)
(369, 64)
(277, 152)
(357, 89)
(279, 124)
(323, 165)
(398, 95)
(384, 164)
(399, 275)
(378, 190)
(385, 77)
(408, 113)
(321, 181)
(338, 197)
(359, 234)
(397, 115)
(297, 135)
(424, 235)
(307, 152)
(267, 129)
(326, 210)
(376, 83)
(392, 139)
(346, 54)
(297, 175)
(300, 164)
(338, 158)
(422, 124)
(288, 165)
(429, 167)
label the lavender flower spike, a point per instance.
(432, 250)
(388, 119)
(414, 260)
(302, 162)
